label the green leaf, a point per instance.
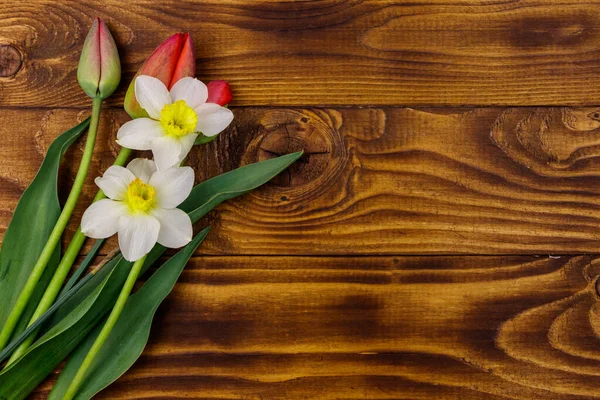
(130, 335)
(201, 139)
(70, 324)
(76, 318)
(21, 377)
(31, 224)
(207, 195)
(204, 197)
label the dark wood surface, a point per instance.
(438, 240)
(326, 52)
(467, 327)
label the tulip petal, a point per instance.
(175, 228)
(88, 71)
(137, 235)
(166, 151)
(142, 168)
(172, 186)
(139, 133)
(190, 90)
(170, 62)
(162, 62)
(212, 118)
(101, 219)
(110, 71)
(152, 95)
(219, 92)
(186, 62)
(115, 181)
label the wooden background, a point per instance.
(439, 239)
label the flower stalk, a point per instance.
(106, 329)
(98, 74)
(58, 229)
(62, 270)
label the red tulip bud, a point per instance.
(99, 70)
(219, 92)
(172, 60)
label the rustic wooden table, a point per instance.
(438, 238)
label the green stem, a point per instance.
(59, 227)
(62, 299)
(106, 329)
(62, 270)
(82, 268)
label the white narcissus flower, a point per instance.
(141, 207)
(176, 118)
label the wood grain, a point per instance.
(373, 181)
(330, 52)
(400, 257)
(374, 328)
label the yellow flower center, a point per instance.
(178, 119)
(140, 196)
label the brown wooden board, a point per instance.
(373, 328)
(373, 181)
(438, 239)
(329, 52)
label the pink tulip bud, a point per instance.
(219, 92)
(172, 60)
(99, 70)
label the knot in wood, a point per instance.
(289, 131)
(553, 141)
(10, 60)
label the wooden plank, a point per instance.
(451, 52)
(373, 328)
(373, 181)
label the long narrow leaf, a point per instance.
(22, 376)
(129, 336)
(204, 197)
(29, 229)
(207, 195)
(87, 261)
(68, 328)
(15, 342)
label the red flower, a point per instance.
(219, 92)
(172, 60)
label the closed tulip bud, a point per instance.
(99, 70)
(219, 92)
(172, 60)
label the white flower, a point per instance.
(141, 207)
(176, 118)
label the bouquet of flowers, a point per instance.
(93, 320)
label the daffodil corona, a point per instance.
(176, 118)
(141, 207)
(140, 197)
